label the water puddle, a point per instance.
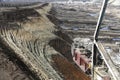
(92, 14)
(116, 39)
(105, 28)
(75, 28)
(70, 28)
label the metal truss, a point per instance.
(98, 47)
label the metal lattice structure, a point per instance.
(98, 47)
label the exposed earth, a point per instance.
(35, 43)
(9, 69)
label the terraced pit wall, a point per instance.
(34, 39)
(27, 35)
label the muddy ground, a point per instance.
(10, 67)
(29, 36)
(79, 20)
(41, 39)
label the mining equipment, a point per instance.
(81, 50)
(91, 56)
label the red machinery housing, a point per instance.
(81, 53)
(80, 58)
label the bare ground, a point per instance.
(9, 69)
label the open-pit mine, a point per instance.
(59, 40)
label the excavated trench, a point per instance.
(63, 62)
(62, 47)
